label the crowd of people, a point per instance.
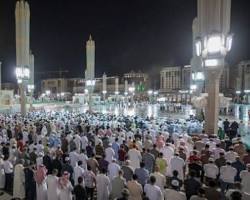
(82, 156)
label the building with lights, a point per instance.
(175, 83)
(139, 80)
(242, 83)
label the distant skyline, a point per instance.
(129, 35)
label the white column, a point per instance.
(117, 85)
(90, 54)
(126, 87)
(22, 19)
(104, 82)
(213, 17)
(90, 71)
(212, 108)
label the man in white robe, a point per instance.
(160, 179)
(177, 163)
(52, 183)
(102, 186)
(109, 153)
(135, 157)
(74, 157)
(113, 170)
(19, 181)
(78, 171)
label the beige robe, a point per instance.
(19, 182)
(135, 190)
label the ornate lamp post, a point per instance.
(213, 45)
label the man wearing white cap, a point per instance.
(173, 193)
(211, 170)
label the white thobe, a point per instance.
(217, 151)
(168, 153)
(102, 187)
(19, 181)
(231, 156)
(110, 153)
(77, 141)
(84, 141)
(65, 193)
(227, 174)
(135, 158)
(211, 170)
(153, 192)
(113, 170)
(41, 191)
(78, 172)
(52, 183)
(160, 180)
(173, 194)
(74, 157)
(178, 164)
(84, 158)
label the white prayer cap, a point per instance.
(66, 158)
(175, 183)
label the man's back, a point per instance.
(80, 192)
(118, 183)
(192, 186)
(153, 192)
(173, 194)
(142, 175)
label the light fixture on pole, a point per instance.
(214, 43)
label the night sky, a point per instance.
(130, 34)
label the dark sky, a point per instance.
(129, 34)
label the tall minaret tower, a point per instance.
(90, 54)
(22, 14)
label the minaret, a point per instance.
(90, 54)
(22, 14)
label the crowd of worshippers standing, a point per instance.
(66, 155)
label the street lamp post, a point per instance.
(212, 46)
(22, 75)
